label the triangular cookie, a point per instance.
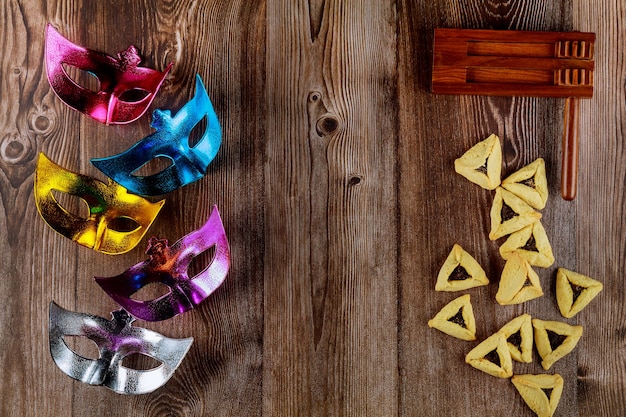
(519, 338)
(541, 393)
(574, 291)
(492, 356)
(460, 271)
(555, 339)
(529, 184)
(482, 163)
(456, 319)
(509, 214)
(518, 283)
(531, 243)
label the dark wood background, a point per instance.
(335, 181)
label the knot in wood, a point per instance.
(354, 180)
(327, 125)
(14, 149)
(41, 121)
(314, 96)
(509, 153)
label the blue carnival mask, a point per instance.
(171, 141)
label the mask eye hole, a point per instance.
(82, 346)
(72, 204)
(151, 291)
(83, 78)
(134, 95)
(201, 262)
(197, 132)
(140, 362)
(153, 166)
(123, 224)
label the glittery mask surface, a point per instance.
(172, 141)
(116, 222)
(169, 265)
(116, 339)
(125, 89)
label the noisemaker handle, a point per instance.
(569, 162)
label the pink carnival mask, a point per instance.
(116, 339)
(169, 265)
(125, 89)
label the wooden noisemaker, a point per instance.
(520, 63)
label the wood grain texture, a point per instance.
(600, 220)
(457, 212)
(336, 185)
(330, 334)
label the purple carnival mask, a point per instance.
(169, 265)
(171, 140)
(110, 206)
(116, 340)
(125, 89)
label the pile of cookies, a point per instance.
(514, 214)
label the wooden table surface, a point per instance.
(336, 185)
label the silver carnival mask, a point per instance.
(116, 339)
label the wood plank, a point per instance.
(224, 364)
(30, 120)
(439, 208)
(600, 203)
(330, 337)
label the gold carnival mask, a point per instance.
(110, 206)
